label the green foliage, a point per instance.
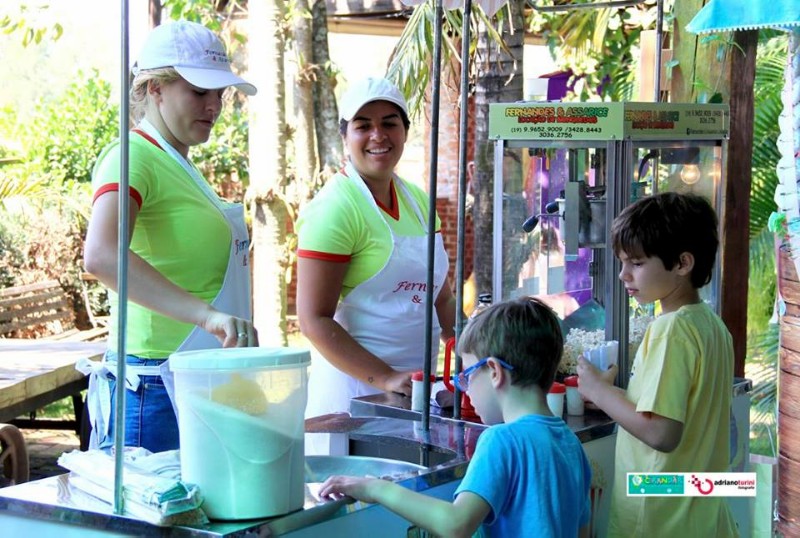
(763, 333)
(762, 370)
(206, 13)
(25, 22)
(597, 45)
(409, 66)
(42, 239)
(769, 81)
(46, 193)
(60, 143)
(201, 11)
(223, 160)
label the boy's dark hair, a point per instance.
(666, 225)
(525, 333)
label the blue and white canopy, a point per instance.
(730, 15)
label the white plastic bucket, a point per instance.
(240, 417)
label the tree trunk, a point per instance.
(154, 12)
(735, 240)
(702, 71)
(499, 80)
(329, 143)
(268, 171)
(304, 146)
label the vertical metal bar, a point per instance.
(659, 45)
(434, 164)
(719, 205)
(497, 222)
(122, 268)
(461, 219)
(618, 197)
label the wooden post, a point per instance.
(735, 240)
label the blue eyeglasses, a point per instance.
(462, 379)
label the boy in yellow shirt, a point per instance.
(674, 417)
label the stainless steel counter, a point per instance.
(589, 426)
(381, 426)
(443, 454)
(50, 504)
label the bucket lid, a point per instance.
(235, 358)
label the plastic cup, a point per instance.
(603, 357)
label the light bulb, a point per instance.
(690, 174)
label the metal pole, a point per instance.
(434, 145)
(590, 5)
(462, 192)
(122, 268)
(659, 44)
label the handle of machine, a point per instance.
(449, 346)
(467, 410)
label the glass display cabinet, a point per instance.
(563, 172)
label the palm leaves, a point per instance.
(410, 64)
(769, 82)
(596, 45)
(763, 335)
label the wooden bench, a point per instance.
(42, 310)
(41, 314)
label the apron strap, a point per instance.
(98, 399)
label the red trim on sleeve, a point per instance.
(323, 256)
(148, 138)
(114, 187)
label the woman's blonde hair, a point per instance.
(139, 96)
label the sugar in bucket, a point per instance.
(240, 418)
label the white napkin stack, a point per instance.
(152, 490)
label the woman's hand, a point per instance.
(230, 330)
(319, 284)
(398, 382)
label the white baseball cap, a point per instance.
(196, 54)
(366, 91)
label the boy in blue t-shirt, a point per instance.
(529, 475)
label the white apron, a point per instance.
(385, 314)
(233, 298)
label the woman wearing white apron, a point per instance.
(189, 281)
(362, 265)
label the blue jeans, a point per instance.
(150, 420)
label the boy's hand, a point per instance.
(362, 489)
(590, 379)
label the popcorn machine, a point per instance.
(563, 172)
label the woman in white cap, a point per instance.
(362, 267)
(189, 281)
